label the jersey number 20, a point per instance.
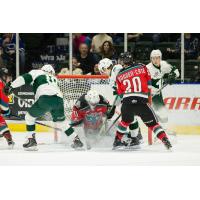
(133, 85)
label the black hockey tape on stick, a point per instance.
(39, 123)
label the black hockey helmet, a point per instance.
(126, 58)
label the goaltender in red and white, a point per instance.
(89, 111)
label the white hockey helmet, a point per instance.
(49, 69)
(156, 53)
(92, 97)
(103, 66)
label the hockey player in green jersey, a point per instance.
(161, 73)
(48, 98)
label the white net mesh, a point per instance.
(73, 88)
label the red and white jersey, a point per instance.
(134, 81)
(91, 118)
(3, 98)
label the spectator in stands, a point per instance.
(79, 38)
(75, 68)
(88, 62)
(196, 78)
(98, 40)
(9, 51)
(191, 47)
(107, 51)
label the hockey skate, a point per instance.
(9, 140)
(140, 138)
(77, 144)
(167, 143)
(10, 144)
(119, 144)
(30, 144)
(134, 143)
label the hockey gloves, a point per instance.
(111, 112)
(8, 89)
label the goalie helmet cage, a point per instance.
(74, 86)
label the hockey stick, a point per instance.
(39, 123)
(158, 91)
(107, 131)
(102, 130)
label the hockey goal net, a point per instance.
(74, 86)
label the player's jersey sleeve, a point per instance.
(148, 77)
(119, 87)
(27, 78)
(114, 72)
(3, 99)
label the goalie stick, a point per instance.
(102, 130)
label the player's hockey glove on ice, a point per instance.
(8, 89)
(111, 112)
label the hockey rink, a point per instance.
(186, 151)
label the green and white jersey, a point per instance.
(115, 70)
(42, 82)
(157, 73)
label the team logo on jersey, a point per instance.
(11, 99)
(93, 118)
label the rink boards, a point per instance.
(182, 101)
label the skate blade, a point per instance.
(170, 149)
(79, 149)
(119, 148)
(136, 147)
(31, 149)
(141, 141)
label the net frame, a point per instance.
(77, 85)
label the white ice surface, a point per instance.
(185, 152)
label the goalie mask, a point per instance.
(49, 69)
(92, 98)
(105, 66)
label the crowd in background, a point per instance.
(90, 48)
(8, 52)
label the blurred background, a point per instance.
(79, 53)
